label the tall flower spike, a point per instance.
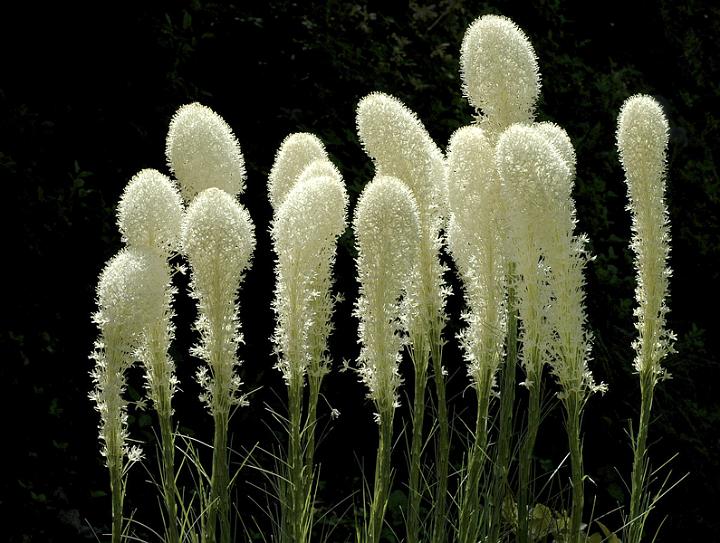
(401, 147)
(217, 235)
(150, 211)
(295, 153)
(305, 231)
(475, 238)
(386, 231)
(202, 152)
(499, 72)
(642, 139)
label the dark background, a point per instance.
(86, 95)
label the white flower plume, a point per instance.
(130, 297)
(386, 226)
(499, 72)
(217, 236)
(475, 239)
(401, 147)
(295, 153)
(150, 211)
(202, 152)
(304, 232)
(642, 139)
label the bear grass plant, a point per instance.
(499, 202)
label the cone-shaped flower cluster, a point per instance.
(642, 138)
(386, 229)
(202, 152)
(499, 72)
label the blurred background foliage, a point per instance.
(86, 94)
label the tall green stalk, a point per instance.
(442, 460)
(501, 469)
(526, 459)
(469, 521)
(574, 410)
(419, 353)
(168, 480)
(383, 476)
(638, 510)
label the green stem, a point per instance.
(296, 457)
(420, 359)
(469, 515)
(382, 475)
(117, 489)
(168, 461)
(640, 463)
(526, 457)
(501, 482)
(219, 482)
(440, 519)
(574, 408)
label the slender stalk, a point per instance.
(526, 457)
(574, 409)
(420, 360)
(117, 487)
(638, 514)
(469, 515)
(442, 461)
(382, 476)
(168, 466)
(219, 482)
(501, 483)
(296, 459)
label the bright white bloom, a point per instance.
(305, 231)
(150, 211)
(642, 139)
(500, 73)
(295, 153)
(527, 164)
(386, 229)
(475, 238)
(130, 296)
(202, 152)
(537, 164)
(401, 147)
(217, 236)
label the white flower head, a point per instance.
(131, 295)
(305, 231)
(386, 226)
(150, 211)
(295, 153)
(499, 71)
(400, 146)
(642, 139)
(218, 237)
(559, 138)
(203, 152)
(533, 172)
